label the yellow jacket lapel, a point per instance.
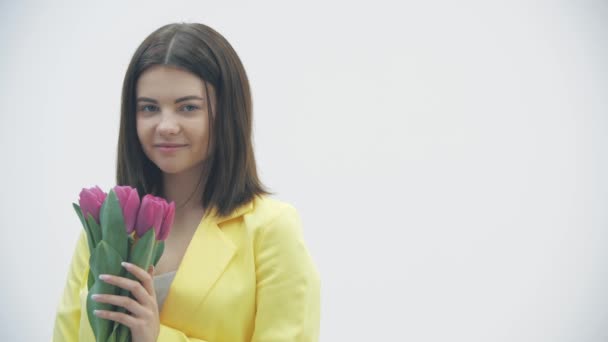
(204, 261)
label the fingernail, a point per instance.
(104, 276)
(125, 264)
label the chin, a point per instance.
(176, 167)
(170, 171)
(170, 168)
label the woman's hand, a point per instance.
(144, 319)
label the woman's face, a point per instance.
(172, 109)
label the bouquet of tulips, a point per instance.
(120, 228)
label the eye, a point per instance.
(144, 108)
(190, 108)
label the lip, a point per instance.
(169, 147)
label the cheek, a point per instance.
(203, 138)
(199, 132)
(142, 130)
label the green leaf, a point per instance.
(90, 280)
(94, 229)
(127, 274)
(101, 327)
(130, 244)
(143, 250)
(91, 277)
(123, 334)
(141, 255)
(159, 249)
(113, 225)
(87, 230)
(105, 260)
(115, 331)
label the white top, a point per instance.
(162, 282)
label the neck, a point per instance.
(185, 189)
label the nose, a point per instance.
(168, 124)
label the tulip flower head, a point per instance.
(150, 215)
(129, 203)
(90, 201)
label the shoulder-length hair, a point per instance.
(231, 176)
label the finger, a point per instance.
(137, 289)
(144, 277)
(152, 271)
(128, 303)
(119, 317)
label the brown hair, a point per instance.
(232, 178)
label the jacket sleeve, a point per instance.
(288, 284)
(67, 319)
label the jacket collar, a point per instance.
(240, 211)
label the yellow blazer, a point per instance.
(245, 277)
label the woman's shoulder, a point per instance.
(266, 209)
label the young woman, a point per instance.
(235, 265)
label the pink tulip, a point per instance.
(150, 215)
(165, 228)
(129, 203)
(90, 201)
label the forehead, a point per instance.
(161, 81)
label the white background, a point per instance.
(448, 158)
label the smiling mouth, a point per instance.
(170, 145)
(164, 148)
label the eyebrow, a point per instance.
(181, 99)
